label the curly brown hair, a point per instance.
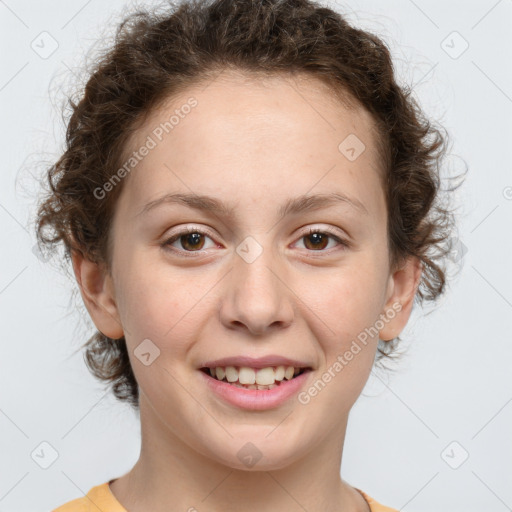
(159, 54)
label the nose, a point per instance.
(257, 297)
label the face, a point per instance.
(253, 280)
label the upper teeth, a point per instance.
(261, 376)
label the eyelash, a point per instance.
(189, 230)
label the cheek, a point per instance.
(350, 310)
(148, 304)
(165, 305)
(349, 299)
(347, 304)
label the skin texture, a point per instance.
(253, 145)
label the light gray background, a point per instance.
(453, 385)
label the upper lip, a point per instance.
(256, 362)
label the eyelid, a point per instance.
(332, 232)
(336, 233)
(174, 236)
(191, 228)
(342, 239)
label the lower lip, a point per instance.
(256, 399)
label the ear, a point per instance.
(402, 287)
(97, 290)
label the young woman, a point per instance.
(251, 206)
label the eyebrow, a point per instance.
(292, 206)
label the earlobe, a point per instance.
(97, 290)
(402, 289)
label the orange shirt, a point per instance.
(101, 499)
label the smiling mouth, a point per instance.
(254, 378)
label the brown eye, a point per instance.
(191, 240)
(316, 241)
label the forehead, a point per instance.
(252, 132)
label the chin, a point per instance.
(259, 453)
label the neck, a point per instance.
(171, 476)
